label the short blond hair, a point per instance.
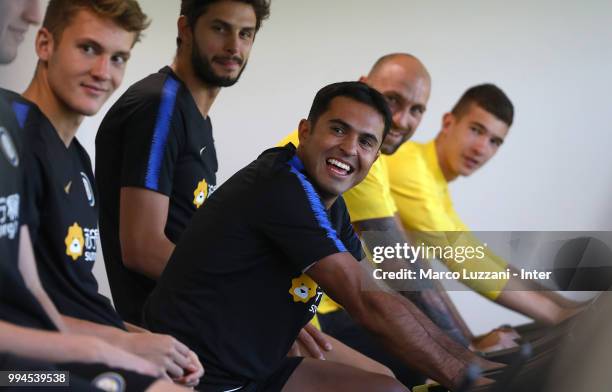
(125, 13)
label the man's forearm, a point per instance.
(561, 301)
(519, 295)
(134, 328)
(29, 273)
(426, 294)
(48, 346)
(411, 336)
(143, 214)
(109, 334)
(438, 307)
(150, 257)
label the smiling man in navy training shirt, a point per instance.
(155, 155)
(275, 231)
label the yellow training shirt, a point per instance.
(425, 207)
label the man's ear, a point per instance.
(184, 30)
(303, 130)
(447, 121)
(363, 79)
(44, 44)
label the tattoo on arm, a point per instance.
(428, 295)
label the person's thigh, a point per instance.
(340, 326)
(344, 354)
(313, 375)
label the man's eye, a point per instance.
(496, 142)
(392, 101)
(246, 34)
(367, 143)
(118, 60)
(88, 49)
(338, 130)
(219, 29)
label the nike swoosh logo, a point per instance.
(67, 187)
(202, 149)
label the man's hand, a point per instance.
(163, 350)
(568, 313)
(193, 372)
(101, 352)
(498, 339)
(310, 343)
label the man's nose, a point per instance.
(101, 69)
(403, 120)
(349, 145)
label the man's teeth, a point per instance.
(339, 164)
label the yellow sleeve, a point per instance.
(371, 199)
(315, 321)
(420, 192)
(426, 211)
(291, 138)
(328, 305)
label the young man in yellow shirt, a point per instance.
(419, 174)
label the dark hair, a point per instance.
(490, 98)
(193, 9)
(125, 13)
(357, 91)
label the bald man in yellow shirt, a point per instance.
(419, 174)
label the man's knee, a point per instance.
(389, 384)
(317, 375)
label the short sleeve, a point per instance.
(152, 141)
(24, 203)
(290, 138)
(293, 218)
(371, 199)
(420, 191)
(344, 228)
(33, 187)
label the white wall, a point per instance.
(553, 58)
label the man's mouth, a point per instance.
(93, 89)
(339, 167)
(471, 162)
(229, 62)
(397, 135)
(394, 134)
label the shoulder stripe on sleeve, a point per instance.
(315, 203)
(160, 133)
(21, 112)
